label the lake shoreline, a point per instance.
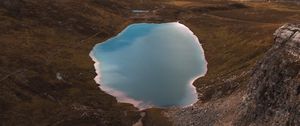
(121, 96)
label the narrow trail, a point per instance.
(140, 122)
(11, 74)
(236, 20)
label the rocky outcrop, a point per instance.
(273, 93)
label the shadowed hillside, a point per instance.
(46, 74)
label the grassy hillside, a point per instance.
(41, 41)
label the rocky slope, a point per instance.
(274, 87)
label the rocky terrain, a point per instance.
(274, 88)
(46, 74)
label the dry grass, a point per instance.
(45, 38)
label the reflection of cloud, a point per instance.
(112, 78)
(108, 67)
(123, 98)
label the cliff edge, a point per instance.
(274, 87)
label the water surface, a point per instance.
(151, 65)
(140, 11)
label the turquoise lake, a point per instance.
(151, 65)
